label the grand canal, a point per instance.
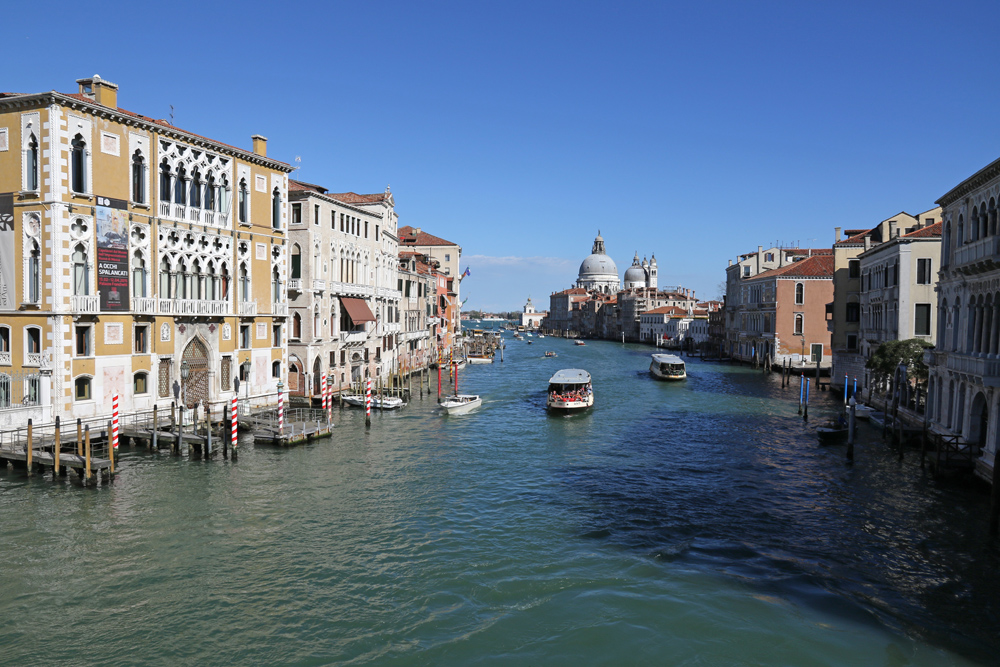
(696, 523)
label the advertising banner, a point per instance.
(112, 254)
(8, 287)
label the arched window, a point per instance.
(212, 283)
(180, 191)
(182, 286)
(276, 286)
(211, 202)
(974, 224)
(276, 369)
(197, 281)
(138, 275)
(224, 200)
(32, 167)
(296, 326)
(992, 217)
(242, 203)
(296, 262)
(138, 178)
(960, 232)
(164, 181)
(33, 290)
(244, 283)
(946, 244)
(78, 164)
(165, 278)
(140, 384)
(224, 280)
(81, 271)
(276, 209)
(195, 198)
(82, 389)
(316, 328)
(800, 294)
(798, 324)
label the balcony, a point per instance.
(978, 256)
(85, 303)
(353, 336)
(5, 359)
(280, 309)
(295, 285)
(319, 285)
(987, 369)
(142, 305)
(392, 327)
(248, 308)
(194, 214)
(199, 307)
(37, 359)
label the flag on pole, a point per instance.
(468, 272)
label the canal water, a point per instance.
(690, 523)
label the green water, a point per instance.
(696, 523)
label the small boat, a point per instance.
(551, 354)
(459, 404)
(570, 390)
(541, 335)
(529, 342)
(529, 334)
(863, 411)
(578, 342)
(831, 433)
(385, 403)
(668, 367)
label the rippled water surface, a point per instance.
(695, 523)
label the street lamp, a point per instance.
(185, 372)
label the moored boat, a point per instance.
(668, 367)
(551, 354)
(477, 358)
(384, 403)
(459, 404)
(578, 342)
(831, 432)
(570, 390)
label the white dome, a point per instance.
(598, 265)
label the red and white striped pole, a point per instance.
(329, 400)
(114, 421)
(368, 402)
(234, 418)
(281, 412)
(322, 388)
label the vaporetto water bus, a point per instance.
(570, 390)
(668, 367)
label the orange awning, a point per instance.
(357, 310)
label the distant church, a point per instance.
(598, 272)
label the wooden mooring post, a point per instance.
(88, 475)
(30, 445)
(79, 436)
(152, 441)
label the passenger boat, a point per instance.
(385, 403)
(668, 367)
(578, 342)
(479, 358)
(570, 390)
(551, 354)
(459, 404)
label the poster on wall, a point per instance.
(7, 241)
(112, 254)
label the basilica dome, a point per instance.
(598, 271)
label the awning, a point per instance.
(357, 310)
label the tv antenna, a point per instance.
(171, 114)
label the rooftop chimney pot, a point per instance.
(259, 145)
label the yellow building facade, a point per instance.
(130, 251)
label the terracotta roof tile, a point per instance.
(857, 237)
(409, 236)
(925, 232)
(817, 266)
(355, 198)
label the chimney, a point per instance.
(838, 235)
(259, 145)
(868, 242)
(103, 92)
(892, 229)
(730, 262)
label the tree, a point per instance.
(892, 353)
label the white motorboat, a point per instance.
(570, 390)
(668, 367)
(473, 358)
(460, 404)
(863, 411)
(384, 403)
(578, 342)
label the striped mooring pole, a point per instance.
(114, 421)
(368, 402)
(322, 388)
(329, 401)
(234, 418)
(281, 411)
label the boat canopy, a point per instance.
(570, 376)
(667, 359)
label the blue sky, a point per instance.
(695, 130)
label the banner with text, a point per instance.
(112, 254)
(7, 243)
